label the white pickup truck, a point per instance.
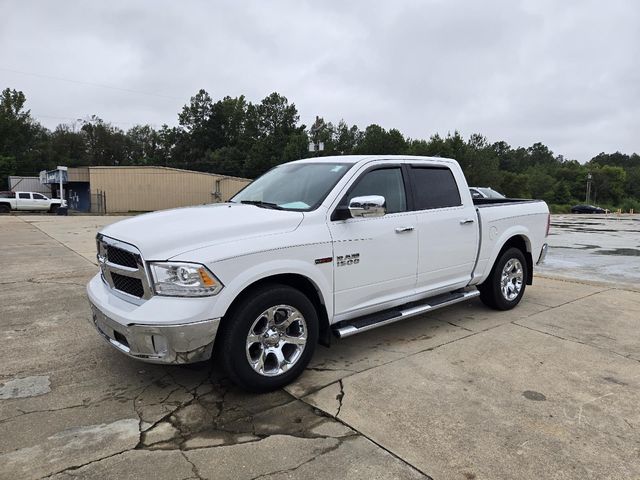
(29, 201)
(333, 245)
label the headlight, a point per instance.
(184, 280)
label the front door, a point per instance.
(375, 258)
(40, 202)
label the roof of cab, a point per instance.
(358, 158)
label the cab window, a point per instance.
(434, 188)
(37, 196)
(26, 196)
(387, 182)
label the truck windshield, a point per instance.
(491, 193)
(293, 186)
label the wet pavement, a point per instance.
(601, 248)
(547, 390)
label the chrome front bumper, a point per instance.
(169, 344)
(543, 254)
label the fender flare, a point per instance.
(274, 268)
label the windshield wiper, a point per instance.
(260, 203)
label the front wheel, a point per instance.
(505, 286)
(54, 208)
(268, 340)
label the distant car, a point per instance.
(32, 201)
(484, 192)
(587, 209)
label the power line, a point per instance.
(82, 82)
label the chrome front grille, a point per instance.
(132, 286)
(123, 269)
(122, 257)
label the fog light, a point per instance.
(159, 344)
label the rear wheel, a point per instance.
(505, 286)
(268, 340)
(4, 208)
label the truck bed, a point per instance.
(502, 218)
(490, 202)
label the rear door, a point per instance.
(447, 229)
(24, 201)
(375, 258)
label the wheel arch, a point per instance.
(522, 243)
(294, 280)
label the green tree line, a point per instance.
(234, 136)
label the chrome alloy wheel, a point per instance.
(511, 279)
(276, 340)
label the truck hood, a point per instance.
(165, 234)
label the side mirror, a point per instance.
(368, 206)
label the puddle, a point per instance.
(627, 252)
(582, 246)
(583, 227)
(533, 395)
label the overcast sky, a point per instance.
(565, 73)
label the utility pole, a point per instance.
(588, 188)
(315, 145)
(62, 172)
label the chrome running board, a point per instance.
(347, 328)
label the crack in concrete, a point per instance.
(359, 433)
(194, 468)
(32, 225)
(575, 340)
(551, 307)
(52, 282)
(460, 326)
(29, 412)
(77, 467)
(326, 369)
(293, 469)
(340, 397)
(37, 281)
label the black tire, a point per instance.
(54, 208)
(4, 208)
(232, 348)
(491, 292)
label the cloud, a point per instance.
(562, 73)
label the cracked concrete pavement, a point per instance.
(548, 390)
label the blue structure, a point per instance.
(78, 196)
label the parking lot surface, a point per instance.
(547, 390)
(602, 248)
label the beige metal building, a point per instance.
(143, 189)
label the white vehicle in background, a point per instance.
(29, 201)
(322, 246)
(484, 192)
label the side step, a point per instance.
(347, 328)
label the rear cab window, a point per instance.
(434, 187)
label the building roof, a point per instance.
(159, 167)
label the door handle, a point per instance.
(404, 229)
(468, 220)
